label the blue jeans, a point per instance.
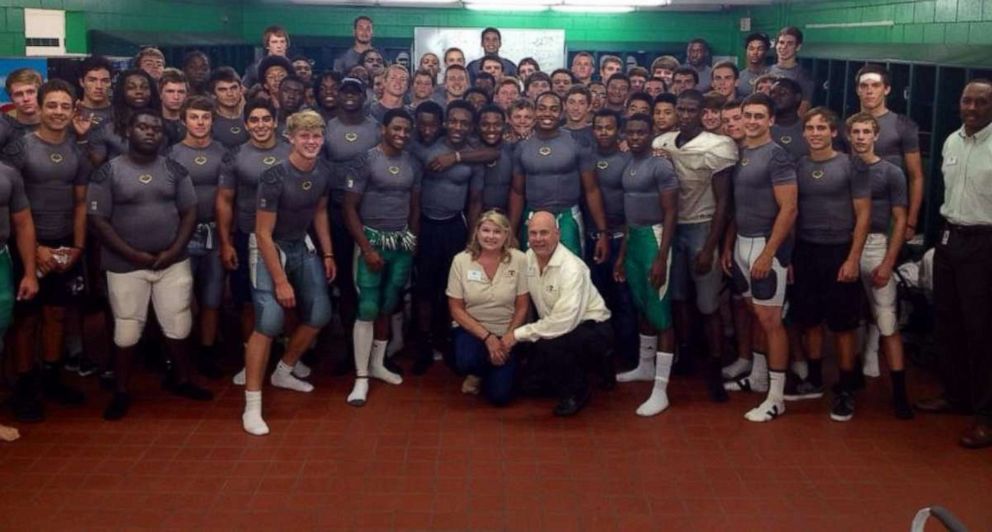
(208, 273)
(472, 358)
(305, 272)
(618, 300)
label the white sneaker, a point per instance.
(239, 378)
(290, 382)
(747, 384)
(766, 411)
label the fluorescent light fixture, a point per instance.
(624, 3)
(569, 8)
(415, 2)
(504, 7)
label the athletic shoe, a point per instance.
(746, 384)
(797, 389)
(86, 367)
(843, 406)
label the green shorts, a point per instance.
(642, 248)
(570, 225)
(380, 293)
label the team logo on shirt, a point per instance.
(145, 178)
(817, 174)
(544, 151)
(200, 160)
(307, 185)
(56, 158)
(235, 130)
(351, 136)
(395, 170)
(785, 139)
(602, 165)
(745, 161)
(269, 161)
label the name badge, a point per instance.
(475, 276)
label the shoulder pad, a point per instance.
(274, 175)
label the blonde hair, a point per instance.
(495, 217)
(304, 121)
(23, 75)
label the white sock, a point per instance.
(239, 378)
(658, 401)
(645, 364)
(361, 337)
(869, 362)
(377, 369)
(800, 368)
(251, 419)
(756, 381)
(359, 393)
(736, 368)
(773, 405)
(283, 377)
(301, 370)
(396, 341)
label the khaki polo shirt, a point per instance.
(490, 301)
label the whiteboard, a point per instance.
(547, 46)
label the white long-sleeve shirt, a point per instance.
(563, 294)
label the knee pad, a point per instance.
(764, 289)
(178, 325)
(127, 333)
(368, 307)
(887, 322)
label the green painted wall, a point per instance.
(214, 16)
(949, 22)
(580, 30)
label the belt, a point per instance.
(971, 229)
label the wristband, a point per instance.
(484, 339)
(328, 255)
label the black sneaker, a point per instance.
(191, 391)
(118, 407)
(71, 363)
(85, 367)
(843, 406)
(797, 389)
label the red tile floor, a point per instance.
(422, 455)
